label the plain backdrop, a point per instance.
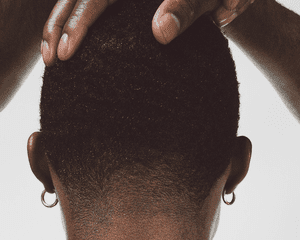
(267, 201)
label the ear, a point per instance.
(38, 161)
(240, 162)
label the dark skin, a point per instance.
(20, 45)
(277, 59)
(130, 226)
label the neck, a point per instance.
(159, 227)
(131, 219)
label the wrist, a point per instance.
(257, 27)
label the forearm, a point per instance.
(269, 35)
(14, 69)
(21, 29)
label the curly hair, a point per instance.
(126, 110)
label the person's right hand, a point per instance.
(173, 17)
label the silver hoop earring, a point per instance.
(232, 201)
(45, 204)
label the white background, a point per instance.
(267, 201)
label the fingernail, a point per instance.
(176, 20)
(63, 46)
(170, 26)
(45, 50)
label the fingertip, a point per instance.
(158, 35)
(156, 27)
(169, 27)
(45, 52)
(51, 63)
(48, 54)
(166, 28)
(70, 42)
(63, 47)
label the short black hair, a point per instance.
(126, 105)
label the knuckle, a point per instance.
(50, 29)
(75, 26)
(79, 17)
(187, 9)
(72, 22)
(192, 9)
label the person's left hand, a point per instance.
(70, 18)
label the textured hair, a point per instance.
(126, 110)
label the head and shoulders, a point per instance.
(138, 139)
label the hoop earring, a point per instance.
(232, 201)
(45, 204)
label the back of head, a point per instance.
(126, 112)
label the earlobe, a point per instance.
(38, 161)
(240, 162)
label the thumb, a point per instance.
(173, 17)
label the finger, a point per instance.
(230, 4)
(83, 16)
(53, 28)
(173, 17)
